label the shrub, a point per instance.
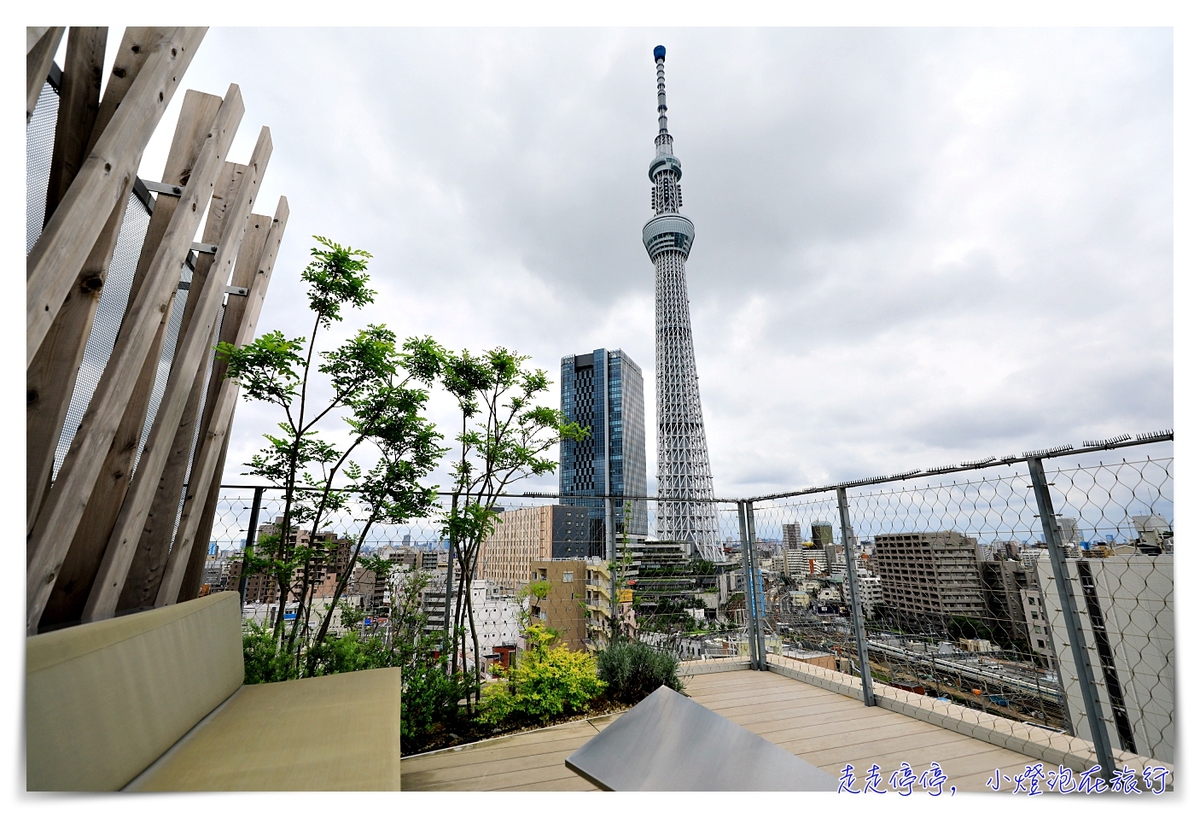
(633, 670)
(263, 660)
(546, 683)
(430, 701)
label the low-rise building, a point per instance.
(564, 608)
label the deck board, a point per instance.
(824, 728)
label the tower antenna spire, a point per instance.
(684, 476)
(660, 60)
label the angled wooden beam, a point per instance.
(213, 442)
(145, 571)
(59, 253)
(245, 328)
(106, 591)
(78, 570)
(78, 104)
(160, 521)
(51, 376)
(38, 59)
(60, 514)
(32, 35)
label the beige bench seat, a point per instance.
(155, 701)
(337, 732)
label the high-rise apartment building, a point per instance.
(929, 575)
(793, 535)
(602, 390)
(683, 467)
(525, 535)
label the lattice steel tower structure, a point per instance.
(683, 469)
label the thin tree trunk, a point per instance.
(475, 645)
(343, 581)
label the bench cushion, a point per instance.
(105, 699)
(338, 732)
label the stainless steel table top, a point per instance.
(670, 743)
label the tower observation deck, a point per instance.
(683, 468)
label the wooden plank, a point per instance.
(78, 104)
(68, 237)
(574, 784)
(801, 740)
(137, 43)
(505, 748)
(193, 576)
(32, 35)
(196, 118)
(64, 506)
(541, 755)
(160, 521)
(145, 572)
(106, 591)
(51, 376)
(213, 441)
(37, 65)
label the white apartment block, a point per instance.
(1038, 625)
(1127, 609)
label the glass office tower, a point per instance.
(602, 390)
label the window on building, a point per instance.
(568, 576)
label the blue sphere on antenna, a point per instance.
(660, 52)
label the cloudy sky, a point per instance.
(914, 246)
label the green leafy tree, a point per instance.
(379, 385)
(504, 437)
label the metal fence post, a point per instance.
(759, 601)
(251, 538)
(1075, 635)
(849, 541)
(748, 570)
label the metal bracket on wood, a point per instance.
(237, 290)
(163, 188)
(201, 247)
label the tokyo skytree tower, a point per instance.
(683, 469)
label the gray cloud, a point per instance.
(912, 244)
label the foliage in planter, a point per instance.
(379, 382)
(633, 670)
(263, 660)
(546, 683)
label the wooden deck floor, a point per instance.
(824, 728)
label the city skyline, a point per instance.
(919, 246)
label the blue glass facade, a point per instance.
(603, 391)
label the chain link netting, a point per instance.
(657, 592)
(958, 594)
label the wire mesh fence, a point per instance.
(659, 592)
(959, 600)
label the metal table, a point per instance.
(670, 743)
